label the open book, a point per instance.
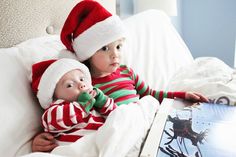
(183, 129)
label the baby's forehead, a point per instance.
(121, 40)
(75, 72)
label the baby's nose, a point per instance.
(81, 86)
(115, 54)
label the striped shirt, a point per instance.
(124, 86)
(69, 121)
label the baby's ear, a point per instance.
(66, 54)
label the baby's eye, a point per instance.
(69, 85)
(105, 48)
(82, 79)
(119, 46)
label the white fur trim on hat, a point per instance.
(97, 36)
(53, 74)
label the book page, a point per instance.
(202, 130)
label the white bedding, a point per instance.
(210, 76)
(120, 136)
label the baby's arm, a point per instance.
(196, 97)
(58, 117)
(191, 96)
(43, 142)
(143, 89)
(104, 104)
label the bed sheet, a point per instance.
(120, 136)
(209, 76)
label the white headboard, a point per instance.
(25, 19)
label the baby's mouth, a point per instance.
(115, 64)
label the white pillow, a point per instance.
(19, 110)
(154, 49)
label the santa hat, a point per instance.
(89, 27)
(46, 74)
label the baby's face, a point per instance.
(71, 85)
(107, 59)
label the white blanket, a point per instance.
(120, 136)
(209, 76)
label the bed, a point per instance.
(154, 49)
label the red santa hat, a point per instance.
(46, 74)
(89, 27)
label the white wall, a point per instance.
(126, 8)
(207, 26)
(177, 20)
(235, 53)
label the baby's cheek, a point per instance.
(72, 96)
(89, 85)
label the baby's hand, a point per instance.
(195, 97)
(93, 93)
(43, 142)
(87, 100)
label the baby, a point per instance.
(73, 107)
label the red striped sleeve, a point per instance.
(170, 95)
(108, 107)
(55, 119)
(68, 138)
(93, 126)
(66, 115)
(160, 98)
(180, 95)
(140, 86)
(126, 97)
